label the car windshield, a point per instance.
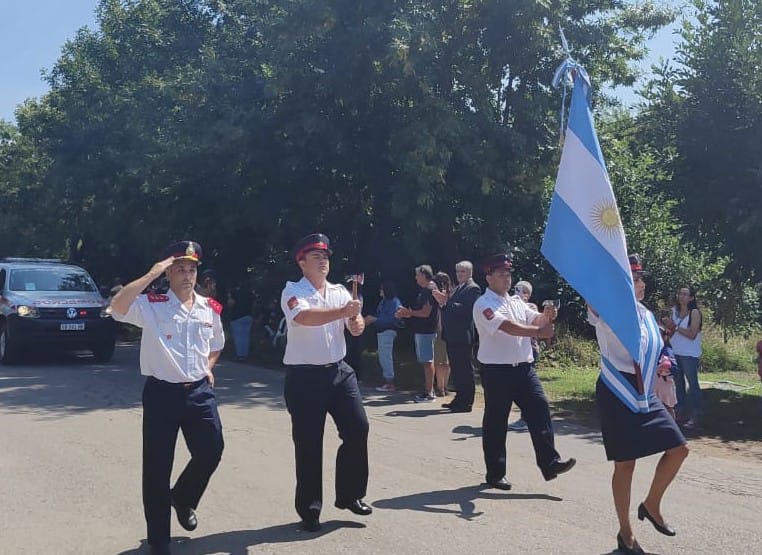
(50, 279)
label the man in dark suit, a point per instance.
(459, 334)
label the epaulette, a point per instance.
(157, 298)
(216, 306)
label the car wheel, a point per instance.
(104, 352)
(8, 354)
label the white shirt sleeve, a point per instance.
(487, 318)
(292, 302)
(136, 313)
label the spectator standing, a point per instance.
(523, 290)
(386, 326)
(664, 384)
(685, 326)
(459, 335)
(207, 284)
(423, 321)
(240, 303)
(442, 286)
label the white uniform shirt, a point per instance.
(176, 342)
(315, 345)
(496, 346)
(610, 346)
(682, 345)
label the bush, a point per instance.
(737, 355)
(569, 350)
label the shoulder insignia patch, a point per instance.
(291, 303)
(488, 314)
(216, 306)
(157, 298)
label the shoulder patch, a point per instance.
(157, 298)
(216, 306)
(488, 314)
(291, 303)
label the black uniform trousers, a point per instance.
(167, 408)
(504, 385)
(462, 365)
(311, 392)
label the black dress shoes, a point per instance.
(558, 467)
(664, 528)
(459, 408)
(448, 405)
(635, 549)
(311, 525)
(502, 484)
(185, 516)
(357, 506)
(311, 521)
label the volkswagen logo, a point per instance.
(71, 312)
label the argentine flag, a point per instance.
(584, 239)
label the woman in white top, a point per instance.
(685, 325)
(630, 433)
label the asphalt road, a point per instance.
(70, 478)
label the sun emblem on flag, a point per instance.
(606, 218)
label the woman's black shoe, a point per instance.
(622, 548)
(665, 528)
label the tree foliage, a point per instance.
(407, 130)
(712, 107)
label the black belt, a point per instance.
(184, 385)
(313, 366)
(506, 364)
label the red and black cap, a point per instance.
(313, 242)
(635, 265)
(496, 262)
(183, 250)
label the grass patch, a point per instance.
(568, 369)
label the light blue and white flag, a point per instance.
(585, 242)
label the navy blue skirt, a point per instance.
(629, 435)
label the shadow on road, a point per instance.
(69, 384)
(237, 542)
(442, 501)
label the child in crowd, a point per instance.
(664, 384)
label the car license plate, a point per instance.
(72, 326)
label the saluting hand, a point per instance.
(160, 267)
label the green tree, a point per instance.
(407, 130)
(713, 101)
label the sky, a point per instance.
(32, 33)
